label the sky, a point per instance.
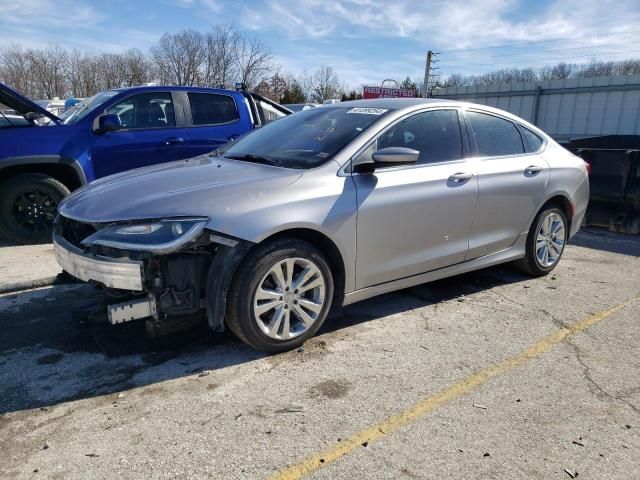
(365, 41)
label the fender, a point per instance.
(47, 159)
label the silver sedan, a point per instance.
(329, 206)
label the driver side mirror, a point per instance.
(109, 122)
(396, 155)
(385, 157)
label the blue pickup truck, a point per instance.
(44, 157)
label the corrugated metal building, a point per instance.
(565, 109)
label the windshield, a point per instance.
(306, 139)
(85, 107)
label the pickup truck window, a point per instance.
(268, 113)
(212, 109)
(146, 110)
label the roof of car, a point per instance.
(394, 103)
(153, 88)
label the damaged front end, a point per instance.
(170, 272)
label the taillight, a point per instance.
(588, 166)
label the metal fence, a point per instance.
(565, 109)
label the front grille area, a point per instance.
(74, 232)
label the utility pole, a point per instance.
(427, 69)
(432, 57)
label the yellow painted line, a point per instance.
(429, 404)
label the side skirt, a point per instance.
(514, 252)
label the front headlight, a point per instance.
(161, 236)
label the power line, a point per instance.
(587, 57)
(537, 42)
(544, 52)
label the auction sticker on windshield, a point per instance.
(368, 111)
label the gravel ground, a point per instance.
(85, 401)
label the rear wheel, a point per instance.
(280, 295)
(28, 207)
(545, 242)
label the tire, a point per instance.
(28, 206)
(532, 263)
(263, 331)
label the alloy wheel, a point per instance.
(35, 211)
(289, 298)
(550, 240)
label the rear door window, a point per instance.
(146, 110)
(494, 136)
(212, 109)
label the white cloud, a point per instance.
(449, 26)
(214, 6)
(47, 13)
(455, 23)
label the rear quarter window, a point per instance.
(532, 142)
(212, 109)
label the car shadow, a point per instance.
(601, 239)
(51, 353)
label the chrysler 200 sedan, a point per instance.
(329, 206)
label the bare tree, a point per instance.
(47, 71)
(14, 68)
(556, 72)
(179, 57)
(253, 60)
(137, 69)
(325, 84)
(219, 63)
(89, 80)
(559, 71)
(222, 57)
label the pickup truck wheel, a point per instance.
(280, 295)
(28, 207)
(545, 242)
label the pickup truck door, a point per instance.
(152, 132)
(215, 119)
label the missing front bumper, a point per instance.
(112, 273)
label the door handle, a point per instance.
(460, 177)
(173, 140)
(533, 169)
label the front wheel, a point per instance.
(28, 207)
(545, 242)
(280, 295)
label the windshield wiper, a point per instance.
(249, 157)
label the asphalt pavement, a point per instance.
(486, 375)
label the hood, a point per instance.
(22, 104)
(201, 186)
